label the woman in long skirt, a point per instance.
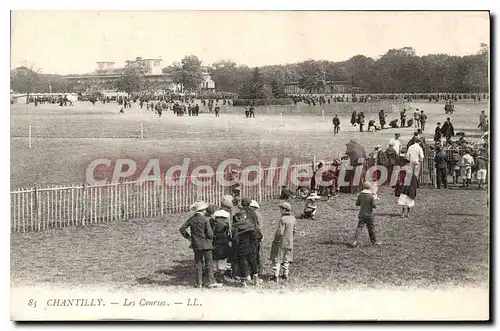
(407, 197)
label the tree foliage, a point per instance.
(396, 71)
(133, 78)
(24, 80)
(188, 72)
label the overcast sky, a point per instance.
(71, 42)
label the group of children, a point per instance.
(226, 241)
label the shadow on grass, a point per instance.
(182, 273)
(464, 214)
(336, 243)
(389, 214)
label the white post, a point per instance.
(29, 136)
(282, 122)
(323, 113)
(227, 125)
(142, 131)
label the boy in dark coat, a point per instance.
(366, 202)
(200, 235)
(244, 243)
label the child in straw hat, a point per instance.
(200, 235)
(282, 247)
(310, 206)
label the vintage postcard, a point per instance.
(250, 165)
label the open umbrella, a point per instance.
(355, 152)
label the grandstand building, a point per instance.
(331, 87)
(106, 75)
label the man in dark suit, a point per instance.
(201, 235)
(441, 168)
(447, 129)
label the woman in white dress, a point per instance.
(407, 196)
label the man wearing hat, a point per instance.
(366, 203)
(200, 234)
(336, 124)
(415, 154)
(396, 143)
(282, 248)
(416, 118)
(441, 168)
(447, 129)
(437, 134)
(423, 119)
(381, 118)
(236, 187)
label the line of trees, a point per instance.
(397, 71)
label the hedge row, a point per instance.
(262, 102)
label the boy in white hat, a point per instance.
(366, 203)
(282, 247)
(220, 242)
(310, 206)
(200, 235)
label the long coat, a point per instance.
(244, 238)
(447, 130)
(220, 242)
(282, 247)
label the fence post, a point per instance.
(314, 163)
(142, 131)
(38, 211)
(29, 136)
(261, 172)
(84, 195)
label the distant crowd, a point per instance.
(362, 98)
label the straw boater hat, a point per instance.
(378, 146)
(221, 213)
(254, 204)
(391, 143)
(285, 205)
(313, 196)
(198, 206)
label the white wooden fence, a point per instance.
(38, 209)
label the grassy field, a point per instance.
(66, 140)
(444, 242)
